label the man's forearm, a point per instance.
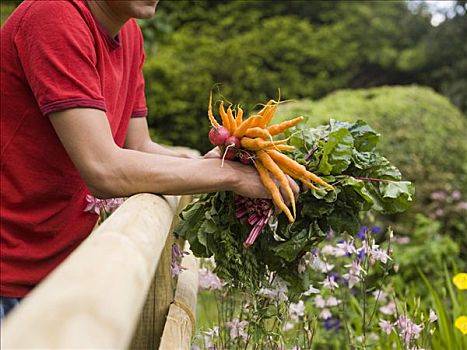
(155, 148)
(134, 172)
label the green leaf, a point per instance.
(337, 152)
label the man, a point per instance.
(73, 123)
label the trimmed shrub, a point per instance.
(421, 132)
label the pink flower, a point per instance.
(319, 301)
(332, 301)
(94, 204)
(325, 314)
(407, 329)
(386, 326)
(209, 280)
(237, 328)
(388, 309)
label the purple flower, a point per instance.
(332, 323)
(361, 255)
(361, 235)
(177, 256)
(376, 229)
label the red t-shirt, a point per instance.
(55, 56)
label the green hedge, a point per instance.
(421, 131)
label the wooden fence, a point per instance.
(115, 290)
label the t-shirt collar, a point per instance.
(114, 42)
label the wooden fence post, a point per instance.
(94, 298)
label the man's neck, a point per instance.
(111, 21)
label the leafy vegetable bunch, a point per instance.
(342, 154)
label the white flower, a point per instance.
(296, 310)
(386, 326)
(355, 273)
(347, 247)
(288, 326)
(278, 292)
(332, 301)
(433, 317)
(319, 301)
(311, 290)
(329, 283)
(328, 250)
(379, 255)
(301, 266)
(209, 334)
(319, 265)
(325, 314)
(388, 309)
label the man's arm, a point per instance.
(110, 171)
(138, 139)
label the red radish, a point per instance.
(217, 136)
(231, 153)
(246, 157)
(232, 141)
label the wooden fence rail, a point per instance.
(95, 298)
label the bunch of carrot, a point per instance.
(251, 141)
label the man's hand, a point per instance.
(214, 153)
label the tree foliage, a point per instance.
(253, 49)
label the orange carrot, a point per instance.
(272, 188)
(266, 107)
(274, 169)
(239, 117)
(224, 117)
(257, 144)
(281, 127)
(246, 124)
(268, 114)
(258, 132)
(286, 163)
(282, 148)
(232, 122)
(213, 120)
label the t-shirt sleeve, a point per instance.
(56, 51)
(140, 108)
